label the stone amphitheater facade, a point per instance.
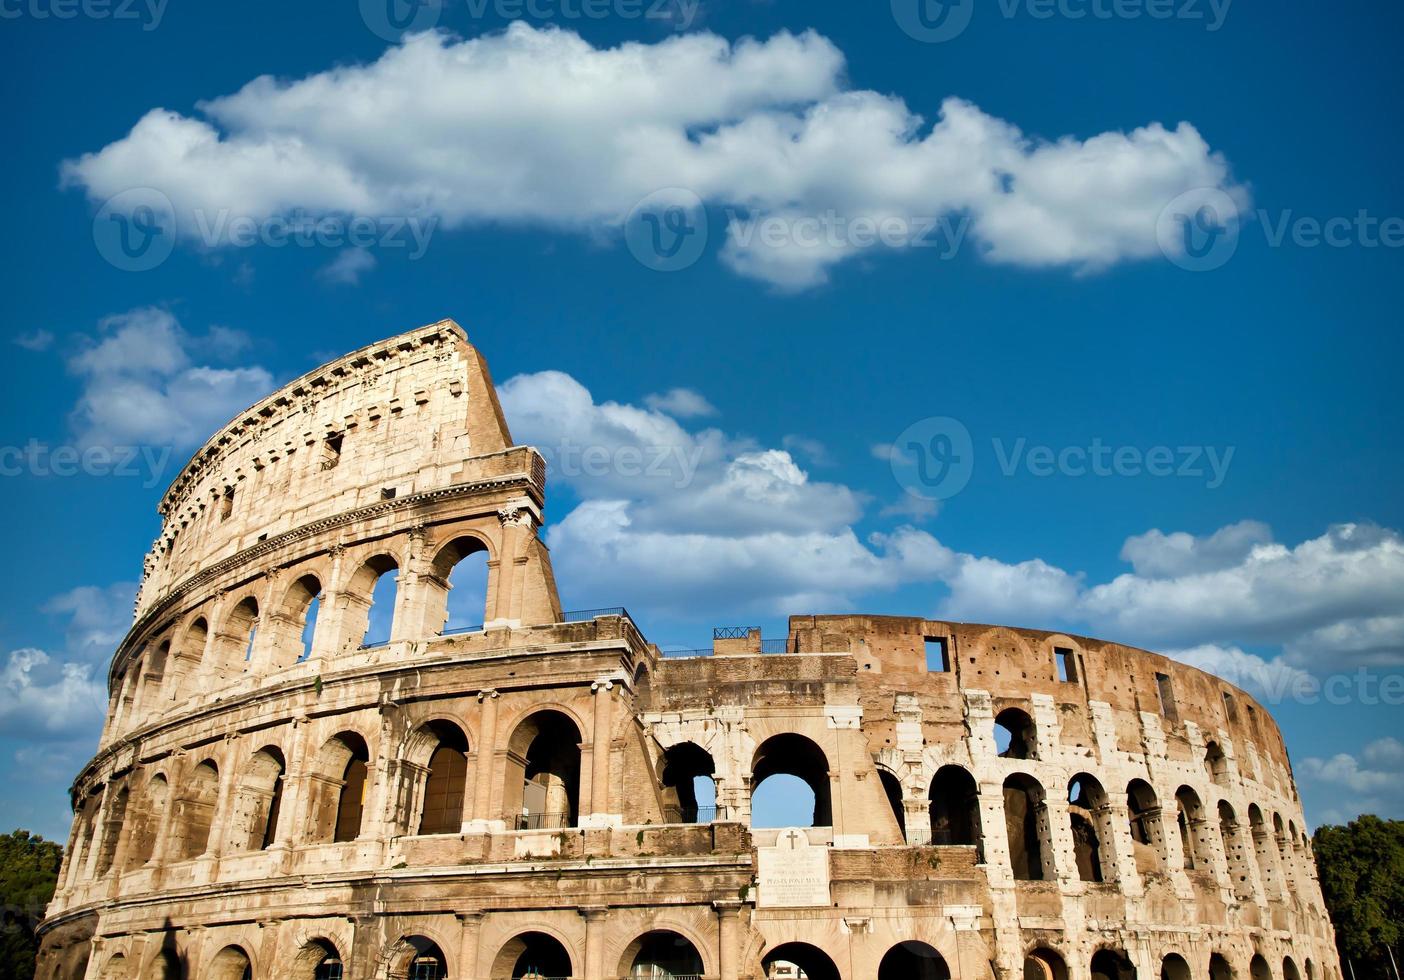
(270, 800)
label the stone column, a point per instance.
(596, 925)
(519, 519)
(472, 924)
(917, 812)
(484, 816)
(599, 754)
(728, 938)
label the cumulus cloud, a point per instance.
(537, 126)
(1156, 554)
(348, 267)
(45, 698)
(1372, 783)
(35, 340)
(1268, 679)
(143, 387)
(683, 403)
(97, 618)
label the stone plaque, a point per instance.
(792, 873)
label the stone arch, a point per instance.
(113, 821)
(955, 807)
(1265, 852)
(117, 967)
(1147, 826)
(152, 680)
(542, 783)
(1015, 735)
(1216, 764)
(1112, 964)
(1310, 969)
(661, 953)
(1026, 829)
(233, 643)
(1231, 833)
(1194, 830)
(1087, 819)
(532, 954)
(1258, 968)
(167, 964)
(1289, 969)
(688, 768)
(461, 565)
(368, 601)
(1174, 967)
(1043, 963)
(642, 687)
(296, 619)
(195, 808)
(791, 754)
(258, 800)
(913, 960)
(153, 803)
(813, 961)
(436, 761)
(189, 657)
(317, 959)
(892, 790)
(230, 963)
(1285, 855)
(85, 836)
(337, 789)
(1219, 967)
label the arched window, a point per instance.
(955, 808)
(689, 791)
(462, 567)
(299, 613)
(1147, 830)
(189, 655)
(1285, 855)
(1044, 964)
(806, 766)
(147, 823)
(1232, 836)
(913, 960)
(231, 963)
(234, 645)
(1215, 764)
(1219, 968)
(1258, 968)
(150, 697)
(661, 955)
(799, 960)
(259, 800)
(370, 602)
(1265, 851)
(892, 789)
(1194, 831)
(442, 809)
(1174, 967)
(195, 810)
(532, 955)
(1087, 812)
(338, 793)
(1112, 964)
(166, 966)
(1026, 827)
(117, 968)
(86, 837)
(1015, 735)
(112, 823)
(542, 786)
(318, 960)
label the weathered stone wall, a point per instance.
(524, 789)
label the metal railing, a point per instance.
(462, 629)
(778, 646)
(733, 632)
(689, 814)
(544, 821)
(583, 615)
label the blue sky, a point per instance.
(1047, 312)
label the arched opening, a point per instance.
(1044, 964)
(912, 960)
(1258, 968)
(689, 791)
(1194, 831)
(150, 698)
(195, 810)
(318, 960)
(1174, 967)
(189, 655)
(441, 811)
(338, 789)
(1310, 969)
(1285, 855)
(543, 772)
(643, 688)
(1232, 837)
(300, 609)
(154, 800)
(1289, 969)
(230, 963)
(1216, 764)
(1087, 811)
(1147, 830)
(1219, 968)
(1026, 827)
(1265, 851)
(117, 968)
(1015, 735)
(235, 643)
(370, 602)
(258, 803)
(531, 956)
(166, 966)
(85, 837)
(112, 823)
(780, 805)
(661, 955)
(1112, 964)
(892, 789)
(798, 961)
(458, 591)
(955, 808)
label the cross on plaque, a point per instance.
(792, 837)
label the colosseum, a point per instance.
(310, 770)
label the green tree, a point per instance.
(1361, 866)
(29, 867)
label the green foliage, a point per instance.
(1361, 867)
(29, 867)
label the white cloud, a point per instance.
(536, 126)
(43, 698)
(1375, 785)
(1156, 554)
(142, 388)
(35, 340)
(682, 403)
(348, 267)
(98, 617)
(1271, 680)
